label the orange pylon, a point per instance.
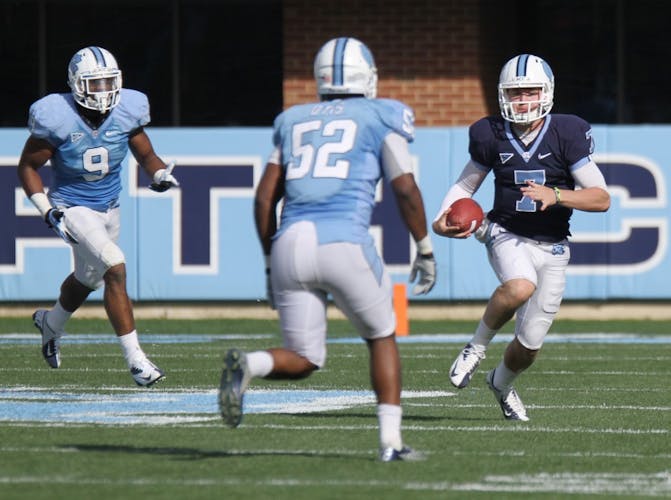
(401, 309)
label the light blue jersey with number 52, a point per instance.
(331, 154)
(87, 162)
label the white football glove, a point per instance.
(163, 179)
(54, 220)
(424, 266)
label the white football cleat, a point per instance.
(145, 373)
(510, 402)
(404, 454)
(51, 343)
(465, 365)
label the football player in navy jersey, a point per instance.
(328, 159)
(538, 160)
(86, 134)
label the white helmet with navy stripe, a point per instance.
(95, 79)
(526, 71)
(345, 66)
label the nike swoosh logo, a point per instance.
(111, 133)
(50, 351)
(540, 156)
(136, 371)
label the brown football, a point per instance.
(465, 213)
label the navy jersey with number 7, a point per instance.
(563, 144)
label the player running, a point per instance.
(328, 159)
(538, 160)
(86, 134)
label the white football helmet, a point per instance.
(345, 66)
(95, 79)
(526, 71)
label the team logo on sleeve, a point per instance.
(75, 137)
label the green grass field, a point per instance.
(600, 418)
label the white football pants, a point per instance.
(303, 273)
(544, 264)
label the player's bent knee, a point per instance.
(312, 357)
(307, 370)
(518, 290)
(313, 363)
(111, 255)
(295, 367)
(89, 278)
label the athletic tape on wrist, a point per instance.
(41, 202)
(424, 245)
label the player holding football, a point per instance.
(538, 160)
(86, 134)
(327, 161)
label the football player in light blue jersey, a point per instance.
(538, 160)
(328, 159)
(85, 135)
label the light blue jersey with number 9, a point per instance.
(331, 153)
(87, 162)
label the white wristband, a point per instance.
(424, 246)
(41, 202)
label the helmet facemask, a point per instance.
(526, 72)
(95, 79)
(536, 109)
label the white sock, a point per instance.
(503, 377)
(483, 335)
(130, 345)
(260, 363)
(58, 316)
(389, 419)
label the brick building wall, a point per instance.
(431, 54)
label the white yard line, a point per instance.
(648, 485)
